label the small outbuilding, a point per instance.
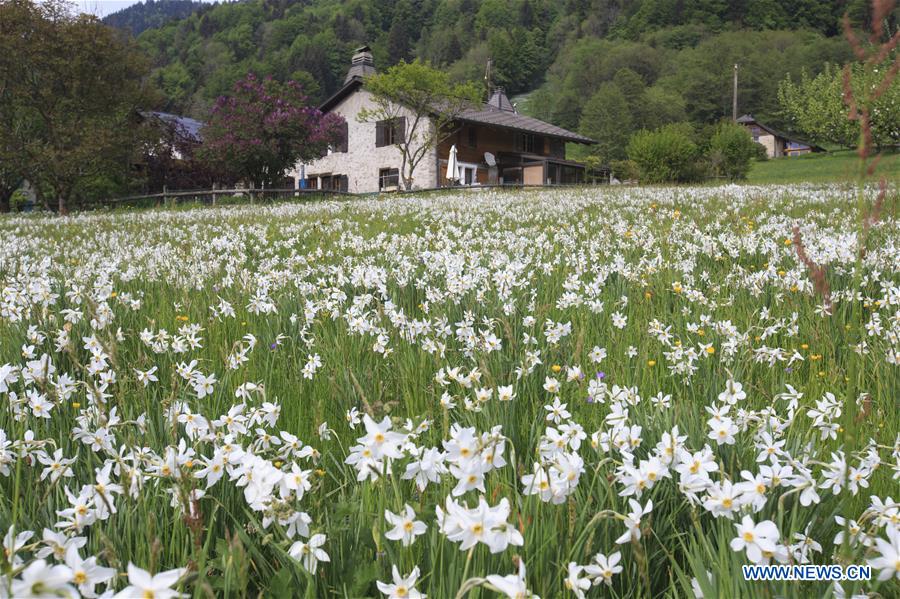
(775, 142)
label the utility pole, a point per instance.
(487, 76)
(734, 114)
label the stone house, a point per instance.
(776, 143)
(495, 145)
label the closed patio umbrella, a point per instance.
(452, 166)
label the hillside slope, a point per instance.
(669, 59)
(148, 14)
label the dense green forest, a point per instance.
(583, 64)
(139, 17)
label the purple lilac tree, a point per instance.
(264, 128)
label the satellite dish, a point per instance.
(489, 158)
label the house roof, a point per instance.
(187, 127)
(748, 120)
(495, 114)
(350, 85)
(519, 122)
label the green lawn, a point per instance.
(818, 168)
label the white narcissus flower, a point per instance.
(633, 521)
(402, 588)
(142, 584)
(86, 573)
(755, 538)
(603, 568)
(513, 586)
(574, 582)
(13, 541)
(41, 580)
(406, 527)
(888, 563)
(310, 554)
(505, 393)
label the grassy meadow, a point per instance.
(825, 167)
(563, 393)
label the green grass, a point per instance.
(704, 262)
(840, 166)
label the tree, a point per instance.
(69, 90)
(815, 106)
(730, 150)
(10, 180)
(263, 129)
(402, 34)
(429, 102)
(666, 154)
(168, 157)
(607, 119)
(659, 107)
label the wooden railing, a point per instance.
(251, 196)
(215, 196)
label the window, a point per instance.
(334, 182)
(388, 178)
(473, 137)
(528, 143)
(342, 143)
(390, 132)
(557, 148)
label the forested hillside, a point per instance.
(588, 63)
(139, 17)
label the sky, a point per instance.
(101, 8)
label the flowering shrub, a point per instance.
(263, 129)
(567, 393)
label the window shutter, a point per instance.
(400, 133)
(344, 183)
(379, 134)
(345, 137)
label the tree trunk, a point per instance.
(405, 176)
(40, 198)
(63, 210)
(5, 198)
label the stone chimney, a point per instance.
(362, 64)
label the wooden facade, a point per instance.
(519, 157)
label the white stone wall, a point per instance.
(363, 160)
(774, 145)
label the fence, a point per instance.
(216, 196)
(242, 195)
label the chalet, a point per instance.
(181, 133)
(494, 143)
(776, 143)
(166, 159)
